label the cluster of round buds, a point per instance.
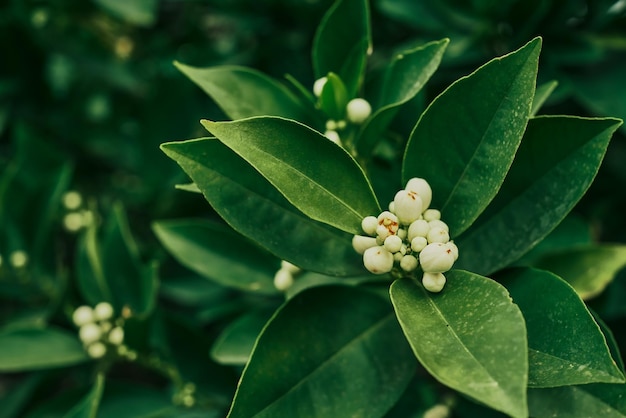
(357, 111)
(99, 331)
(75, 218)
(407, 236)
(284, 277)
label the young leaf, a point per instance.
(234, 345)
(587, 269)
(595, 400)
(334, 97)
(88, 406)
(327, 340)
(38, 348)
(565, 345)
(524, 211)
(470, 337)
(541, 95)
(254, 208)
(242, 92)
(314, 174)
(218, 254)
(465, 141)
(342, 41)
(407, 73)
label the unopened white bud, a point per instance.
(103, 311)
(283, 280)
(341, 124)
(89, 333)
(439, 224)
(392, 207)
(397, 257)
(361, 243)
(73, 221)
(18, 259)
(437, 411)
(378, 260)
(105, 326)
(403, 249)
(438, 234)
(318, 86)
(82, 315)
(333, 136)
(432, 215)
(433, 282)
(72, 200)
(116, 336)
(369, 225)
(454, 248)
(408, 206)
(436, 258)
(96, 350)
(423, 190)
(331, 125)
(293, 269)
(418, 244)
(358, 110)
(418, 228)
(401, 233)
(393, 243)
(408, 263)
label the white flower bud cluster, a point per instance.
(409, 235)
(284, 277)
(357, 111)
(75, 218)
(99, 331)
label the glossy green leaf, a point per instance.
(342, 41)
(90, 277)
(541, 95)
(470, 337)
(334, 97)
(39, 348)
(242, 92)
(254, 208)
(327, 340)
(317, 176)
(587, 269)
(565, 345)
(595, 400)
(124, 400)
(234, 345)
(465, 141)
(88, 406)
(524, 211)
(219, 254)
(407, 73)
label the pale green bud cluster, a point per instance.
(75, 218)
(100, 331)
(284, 277)
(410, 235)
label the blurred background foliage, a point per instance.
(88, 91)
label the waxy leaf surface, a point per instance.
(471, 337)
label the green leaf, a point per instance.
(242, 92)
(565, 345)
(125, 400)
(470, 337)
(327, 340)
(88, 406)
(90, 276)
(317, 176)
(595, 400)
(137, 12)
(473, 130)
(524, 211)
(39, 348)
(407, 73)
(541, 95)
(234, 345)
(219, 254)
(334, 97)
(254, 208)
(587, 269)
(341, 43)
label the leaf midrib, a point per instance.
(359, 337)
